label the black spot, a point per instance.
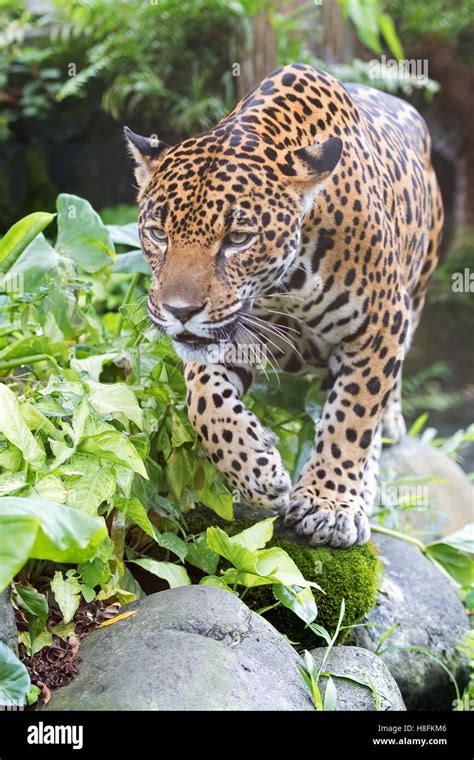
(373, 386)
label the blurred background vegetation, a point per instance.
(72, 72)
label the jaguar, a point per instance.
(307, 221)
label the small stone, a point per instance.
(427, 612)
(362, 665)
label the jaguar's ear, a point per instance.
(145, 151)
(312, 165)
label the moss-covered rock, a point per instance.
(349, 574)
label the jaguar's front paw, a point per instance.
(327, 521)
(270, 483)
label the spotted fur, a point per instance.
(335, 187)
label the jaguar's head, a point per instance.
(220, 224)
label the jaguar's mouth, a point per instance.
(192, 340)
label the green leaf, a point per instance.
(95, 572)
(35, 606)
(179, 431)
(181, 468)
(20, 236)
(67, 592)
(216, 581)
(457, 565)
(240, 557)
(277, 564)
(137, 513)
(82, 236)
(36, 420)
(14, 679)
(44, 530)
(462, 539)
(256, 536)
(15, 429)
(217, 498)
(50, 488)
(172, 543)
(38, 264)
(131, 262)
(299, 600)
(175, 575)
(37, 344)
(93, 365)
(201, 556)
(113, 399)
(387, 27)
(11, 482)
(86, 469)
(114, 446)
(418, 425)
(125, 234)
(330, 695)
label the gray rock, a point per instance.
(363, 665)
(450, 499)
(189, 648)
(7, 622)
(426, 608)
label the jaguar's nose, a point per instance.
(183, 313)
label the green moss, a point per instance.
(349, 574)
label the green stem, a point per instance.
(128, 297)
(396, 534)
(20, 360)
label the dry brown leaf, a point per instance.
(117, 618)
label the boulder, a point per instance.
(188, 648)
(427, 612)
(356, 665)
(450, 497)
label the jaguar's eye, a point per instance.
(157, 234)
(238, 238)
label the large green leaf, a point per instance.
(35, 606)
(105, 442)
(257, 535)
(125, 234)
(459, 566)
(82, 236)
(131, 262)
(15, 429)
(300, 600)
(38, 264)
(239, 556)
(175, 575)
(43, 530)
(20, 236)
(462, 539)
(37, 344)
(14, 679)
(113, 399)
(220, 501)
